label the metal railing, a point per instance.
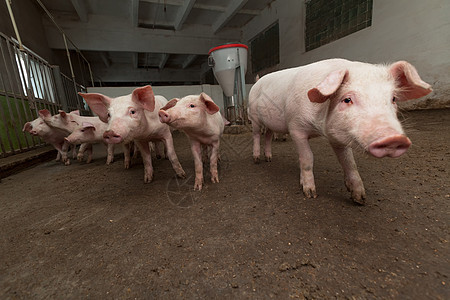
(27, 84)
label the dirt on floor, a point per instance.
(97, 231)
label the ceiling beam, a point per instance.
(126, 73)
(105, 58)
(103, 33)
(189, 60)
(135, 60)
(134, 13)
(232, 9)
(204, 6)
(81, 9)
(163, 61)
(183, 13)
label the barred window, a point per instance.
(265, 49)
(330, 20)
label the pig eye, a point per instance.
(82, 130)
(348, 100)
(132, 111)
(109, 116)
(394, 100)
(192, 106)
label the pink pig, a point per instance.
(350, 103)
(134, 117)
(88, 134)
(50, 135)
(199, 117)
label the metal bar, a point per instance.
(18, 85)
(8, 77)
(13, 20)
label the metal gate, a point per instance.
(28, 84)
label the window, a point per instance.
(265, 49)
(330, 20)
(35, 76)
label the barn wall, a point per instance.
(412, 30)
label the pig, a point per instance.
(135, 118)
(50, 135)
(199, 117)
(352, 104)
(88, 134)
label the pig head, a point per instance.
(125, 115)
(363, 105)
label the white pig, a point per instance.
(88, 134)
(135, 118)
(350, 103)
(199, 117)
(50, 135)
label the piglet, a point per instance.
(352, 104)
(88, 134)
(50, 135)
(135, 118)
(199, 117)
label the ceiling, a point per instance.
(155, 41)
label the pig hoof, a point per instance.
(158, 157)
(181, 175)
(360, 199)
(80, 158)
(198, 187)
(256, 159)
(215, 179)
(310, 193)
(148, 178)
(127, 165)
(67, 162)
(268, 158)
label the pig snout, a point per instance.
(111, 137)
(164, 116)
(392, 146)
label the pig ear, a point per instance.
(62, 113)
(327, 87)
(145, 97)
(44, 113)
(410, 85)
(88, 125)
(211, 107)
(27, 127)
(170, 104)
(75, 112)
(98, 103)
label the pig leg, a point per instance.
(83, 148)
(127, 155)
(205, 153)
(147, 159)
(256, 142)
(158, 150)
(353, 181)
(268, 145)
(168, 143)
(74, 151)
(306, 160)
(58, 156)
(64, 148)
(196, 149)
(89, 153)
(110, 155)
(213, 162)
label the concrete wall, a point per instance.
(412, 30)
